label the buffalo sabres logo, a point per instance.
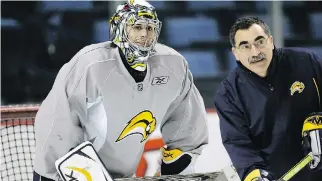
(297, 87)
(143, 123)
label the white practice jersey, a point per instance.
(95, 98)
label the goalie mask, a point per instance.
(135, 28)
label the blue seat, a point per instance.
(101, 31)
(287, 29)
(202, 63)
(9, 23)
(47, 6)
(158, 4)
(55, 20)
(203, 5)
(183, 31)
(316, 25)
(293, 3)
(265, 5)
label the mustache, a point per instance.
(254, 59)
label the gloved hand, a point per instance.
(312, 139)
(260, 175)
(175, 162)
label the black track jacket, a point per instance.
(261, 119)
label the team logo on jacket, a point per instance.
(297, 87)
(143, 124)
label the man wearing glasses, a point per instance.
(270, 106)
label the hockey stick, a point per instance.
(299, 166)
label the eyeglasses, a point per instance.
(261, 43)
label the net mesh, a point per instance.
(17, 142)
(18, 148)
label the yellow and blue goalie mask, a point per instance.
(135, 28)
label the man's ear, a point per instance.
(233, 49)
(271, 39)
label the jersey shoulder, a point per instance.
(92, 54)
(95, 56)
(96, 52)
(164, 50)
(170, 59)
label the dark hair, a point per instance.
(243, 24)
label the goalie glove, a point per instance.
(260, 175)
(312, 139)
(176, 162)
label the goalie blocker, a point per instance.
(82, 164)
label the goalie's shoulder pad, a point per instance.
(312, 122)
(176, 162)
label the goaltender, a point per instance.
(116, 93)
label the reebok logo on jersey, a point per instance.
(160, 80)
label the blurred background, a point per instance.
(38, 37)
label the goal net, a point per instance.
(17, 142)
(18, 148)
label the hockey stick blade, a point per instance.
(299, 166)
